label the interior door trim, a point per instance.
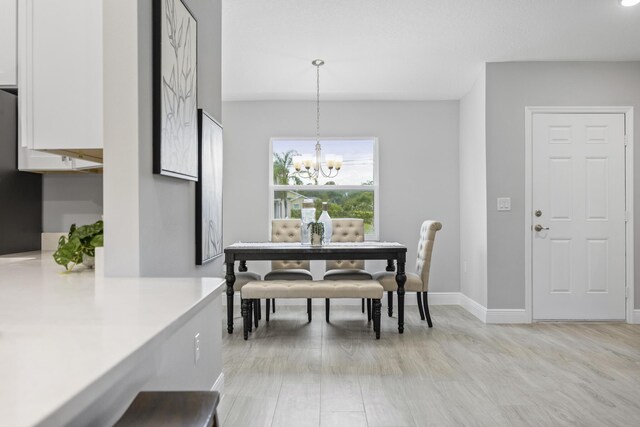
(529, 112)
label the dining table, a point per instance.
(395, 253)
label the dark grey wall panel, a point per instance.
(20, 192)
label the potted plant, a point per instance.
(78, 247)
(317, 233)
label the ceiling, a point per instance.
(409, 49)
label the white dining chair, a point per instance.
(287, 231)
(349, 230)
(419, 281)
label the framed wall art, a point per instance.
(175, 88)
(209, 190)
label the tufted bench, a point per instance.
(257, 290)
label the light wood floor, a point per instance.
(461, 372)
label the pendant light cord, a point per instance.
(318, 103)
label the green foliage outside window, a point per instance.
(340, 204)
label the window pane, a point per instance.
(357, 161)
(341, 204)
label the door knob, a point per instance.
(538, 227)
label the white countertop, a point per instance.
(61, 332)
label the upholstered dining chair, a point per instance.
(419, 281)
(287, 231)
(347, 230)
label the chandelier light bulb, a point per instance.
(629, 3)
(297, 163)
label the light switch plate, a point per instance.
(504, 203)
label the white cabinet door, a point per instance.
(38, 161)
(42, 162)
(60, 74)
(8, 43)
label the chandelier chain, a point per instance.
(318, 103)
(314, 169)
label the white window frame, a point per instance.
(375, 187)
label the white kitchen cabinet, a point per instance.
(40, 161)
(8, 43)
(60, 77)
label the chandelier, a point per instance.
(313, 167)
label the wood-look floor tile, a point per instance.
(298, 405)
(251, 412)
(385, 401)
(340, 393)
(343, 419)
(225, 405)
(253, 385)
(460, 372)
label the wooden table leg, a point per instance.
(246, 322)
(231, 279)
(401, 278)
(390, 267)
(377, 308)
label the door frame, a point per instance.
(528, 203)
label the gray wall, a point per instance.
(473, 193)
(69, 199)
(418, 151)
(511, 87)
(152, 216)
(167, 205)
(20, 192)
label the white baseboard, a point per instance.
(435, 298)
(493, 315)
(473, 307)
(485, 315)
(219, 384)
(497, 316)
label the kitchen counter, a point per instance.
(75, 349)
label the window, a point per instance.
(352, 193)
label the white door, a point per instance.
(579, 202)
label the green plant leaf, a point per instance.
(97, 241)
(81, 240)
(68, 253)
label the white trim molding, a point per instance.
(485, 315)
(636, 317)
(473, 307)
(494, 315)
(219, 384)
(631, 314)
(507, 315)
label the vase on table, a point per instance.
(316, 239)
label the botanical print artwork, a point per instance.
(179, 134)
(209, 189)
